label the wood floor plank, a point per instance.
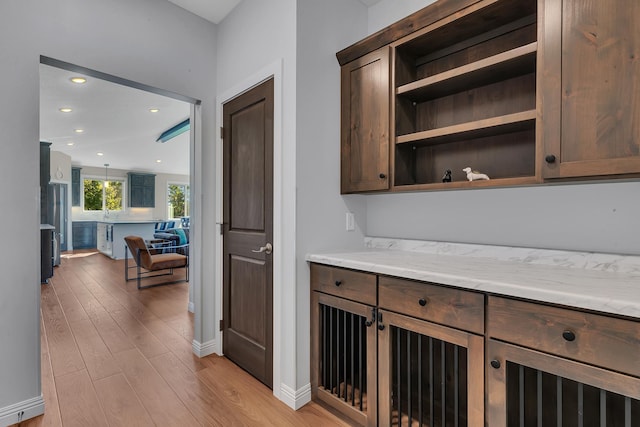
(143, 339)
(99, 361)
(111, 333)
(79, 404)
(72, 308)
(147, 334)
(65, 355)
(182, 323)
(176, 344)
(246, 394)
(208, 406)
(121, 405)
(161, 402)
(51, 417)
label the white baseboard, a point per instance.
(21, 411)
(295, 399)
(203, 349)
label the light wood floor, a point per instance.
(116, 356)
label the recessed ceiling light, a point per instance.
(65, 110)
(69, 144)
(153, 110)
(78, 80)
(100, 154)
(78, 130)
(158, 161)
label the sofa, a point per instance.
(178, 237)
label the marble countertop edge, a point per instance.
(606, 292)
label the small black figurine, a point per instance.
(447, 176)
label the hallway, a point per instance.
(113, 355)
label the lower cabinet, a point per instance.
(428, 374)
(393, 352)
(552, 366)
(104, 238)
(381, 367)
(84, 234)
(531, 388)
(343, 341)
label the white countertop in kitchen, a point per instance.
(128, 221)
(601, 282)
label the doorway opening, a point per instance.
(101, 130)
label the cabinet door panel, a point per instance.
(428, 374)
(343, 357)
(76, 186)
(365, 123)
(599, 91)
(141, 190)
(529, 388)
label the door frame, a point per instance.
(280, 239)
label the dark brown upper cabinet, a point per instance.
(365, 123)
(591, 88)
(465, 96)
(525, 91)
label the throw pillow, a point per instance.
(182, 235)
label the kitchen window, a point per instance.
(101, 195)
(178, 200)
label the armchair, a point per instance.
(149, 262)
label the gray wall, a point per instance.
(151, 42)
(254, 36)
(585, 217)
(323, 29)
(304, 34)
(596, 217)
(389, 11)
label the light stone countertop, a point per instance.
(128, 221)
(601, 282)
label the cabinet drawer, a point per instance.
(452, 307)
(596, 339)
(353, 285)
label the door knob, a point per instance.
(266, 249)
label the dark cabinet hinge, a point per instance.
(221, 133)
(221, 324)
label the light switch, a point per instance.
(351, 222)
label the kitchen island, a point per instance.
(111, 234)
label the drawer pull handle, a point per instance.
(422, 302)
(338, 282)
(381, 326)
(495, 364)
(569, 335)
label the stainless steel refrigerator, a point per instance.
(58, 217)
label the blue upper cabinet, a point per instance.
(75, 186)
(142, 190)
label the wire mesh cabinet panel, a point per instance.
(428, 375)
(527, 388)
(343, 356)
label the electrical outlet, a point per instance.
(351, 222)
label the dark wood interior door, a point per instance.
(248, 231)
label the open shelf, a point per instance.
(505, 65)
(499, 182)
(481, 128)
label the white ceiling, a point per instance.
(116, 122)
(216, 10)
(116, 119)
